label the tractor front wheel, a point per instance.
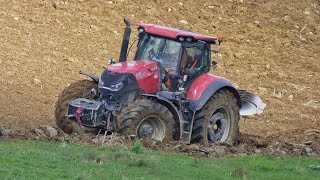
(78, 89)
(217, 121)
(146, 118)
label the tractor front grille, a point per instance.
(116, 88)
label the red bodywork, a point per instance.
(195, 91)
(174, 33)
(146, 73)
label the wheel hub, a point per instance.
(145, 130)
(219, 125)
(151, 126)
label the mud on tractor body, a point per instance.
(166, 93)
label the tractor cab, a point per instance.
(177, 52)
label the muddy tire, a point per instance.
(75, 90)
(217, 121)
(146, 118)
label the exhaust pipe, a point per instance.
(125, 41)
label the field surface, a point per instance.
(271, 48)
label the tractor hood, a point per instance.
(136, 68)
(146, 73)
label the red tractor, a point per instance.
(165, 93)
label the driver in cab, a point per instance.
(188, 64)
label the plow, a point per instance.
(166, 92)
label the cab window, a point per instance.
(194, 59)
(165, 51)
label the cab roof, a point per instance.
(174, 33)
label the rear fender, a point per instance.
(213, 88)
(93, 77)
(205, 86)
(177, 116)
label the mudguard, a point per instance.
(205, 86)
(93, 77)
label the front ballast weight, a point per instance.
(88, 112)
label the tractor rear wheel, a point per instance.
(146, 118)
(78, 89)
(217, 121)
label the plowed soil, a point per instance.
(271, 48)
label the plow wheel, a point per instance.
(78, 89)
(217, 121)
(145, 118)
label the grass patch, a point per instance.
(137, 147)
(39, 159)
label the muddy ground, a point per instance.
(271, 48)
(247, 144)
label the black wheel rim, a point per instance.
(151, 127)
(219, 125)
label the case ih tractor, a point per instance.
(165, 93)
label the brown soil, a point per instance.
(271, 48)
(247, 145)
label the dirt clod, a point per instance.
(183, 22)
(40, 132)
(286, 18)
(50, 131)
(46, 131)
(36, 81)
(5, 132)
(220, 150)
(308, 150)
(257, 151)
(193, 147)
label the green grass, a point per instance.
(45, 160)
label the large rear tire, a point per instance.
(146, 118)
(78, 89)
(217, 121)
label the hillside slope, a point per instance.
(271, 48)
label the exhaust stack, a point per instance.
(125, 41)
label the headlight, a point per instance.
(117, 86)
(113, 87)
(140, 75)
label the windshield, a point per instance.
(165, 51)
